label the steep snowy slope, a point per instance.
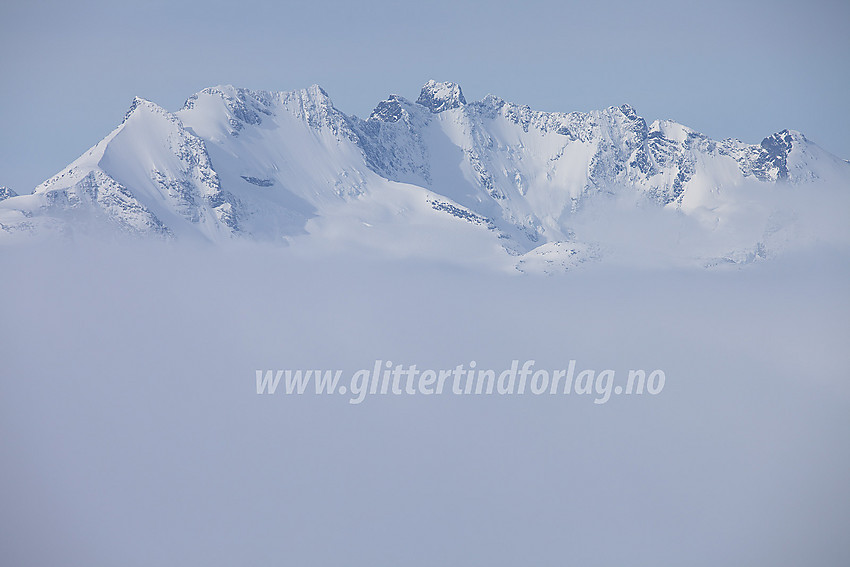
(149, 176)
(413, 178)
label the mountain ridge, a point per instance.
(265, 165)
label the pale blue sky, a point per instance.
(729, 69)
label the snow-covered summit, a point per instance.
(144, 105)
(438, 97)
(6, 192)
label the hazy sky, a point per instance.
(69, 70)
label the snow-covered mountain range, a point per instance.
(489, 180)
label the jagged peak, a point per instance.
(493, 101)
(242, 105)
(222, 89)
(672, 130)
(628, 111)
(439, 97)
(785, 137)
(6, 193)
(145, 104)
(392, 109)
(312, 95)
(226, 92)
(316, 91)
(247, 105)
(777, 146)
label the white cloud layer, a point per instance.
(132, 433)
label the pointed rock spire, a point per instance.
(438, 97)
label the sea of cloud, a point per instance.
(132, 433)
